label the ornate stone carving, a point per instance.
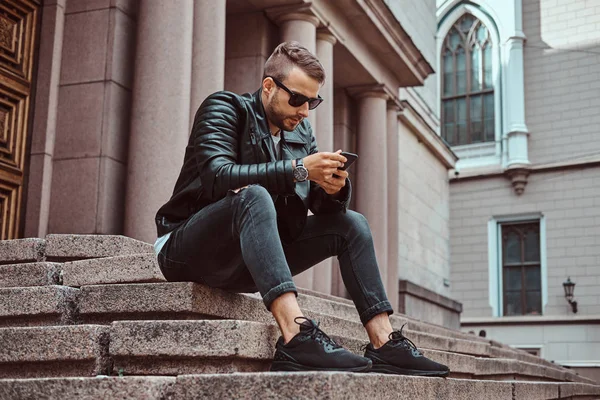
(518, 177)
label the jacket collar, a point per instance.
(262, 129)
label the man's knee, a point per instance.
(356, 224)
(257, 196)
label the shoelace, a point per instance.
(398, 337)
(316, 333)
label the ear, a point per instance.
(268, 86)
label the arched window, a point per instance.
(467, 84)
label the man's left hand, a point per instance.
(334, 183)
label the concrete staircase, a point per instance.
(85, 316)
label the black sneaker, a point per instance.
(313, 350)
(400, 356)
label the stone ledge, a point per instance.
(138, 268)
(335, 385)
(180, 347)
(302, 385)
(80, 350)
(31, 306)
(22, 250)
(107, 303)
(134, 388)
(77, 247)
(407, 287)
(30, 274)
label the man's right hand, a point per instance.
(322, 166)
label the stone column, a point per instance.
(160, 111)
(299, 27)
(324, 133)
(208, 52)
(393, 173)
(44, 120)
(371, 172)
(303, 29)
(516, 135)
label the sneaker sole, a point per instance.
(278, 366)
(390, 369)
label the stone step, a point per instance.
(302, 386)
(58, 247)
(345, 309)
(30, 274)
(217, 346)
(503, 352)
(75, 247)
(139, 268)
(32, 306)
(209, 346)
(337, 385)
(51, 351)
(185, 347)
(107, 303)
(143, 268)
(22, 250)
(103, 387)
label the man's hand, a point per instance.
(323, 170)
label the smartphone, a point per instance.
(351, 157)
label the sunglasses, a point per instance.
(296, 99)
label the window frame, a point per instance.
(482, 154)
(469, 93)
(523, 266)
(495, 279)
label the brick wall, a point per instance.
(562, 78)
(423, 201)
(570, 202)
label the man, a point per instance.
(237, 219)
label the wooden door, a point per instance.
(18, 26)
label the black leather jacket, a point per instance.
(230, 147)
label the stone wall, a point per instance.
(423, 220)
(417, 17)
(562, 78)
(570, 203)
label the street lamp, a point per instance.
(569, 289)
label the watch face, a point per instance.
(300, 173)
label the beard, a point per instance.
(279, 118)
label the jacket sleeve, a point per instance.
(215, 142)
(320, 201)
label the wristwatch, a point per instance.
(300, 172)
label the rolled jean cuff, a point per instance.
(378, 308)
(277, 291)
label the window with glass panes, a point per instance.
(521, 269)
(467, 84)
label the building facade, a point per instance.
(109, 89)
(519, 104)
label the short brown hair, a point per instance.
(292, 54)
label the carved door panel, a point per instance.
(18, 25)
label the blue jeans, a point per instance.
(233, 244)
